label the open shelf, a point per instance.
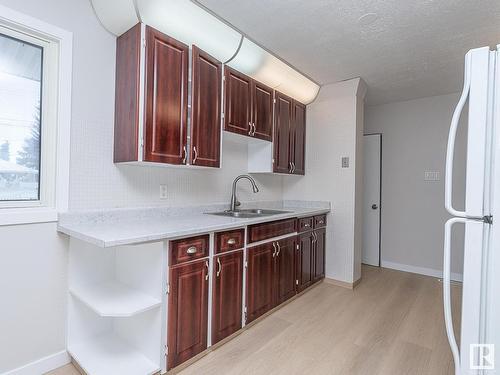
(114, 299)
(109, 355)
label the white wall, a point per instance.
(334, 130)
(33, 318)
(33, 285)
(414, 137)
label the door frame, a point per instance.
(379, 199)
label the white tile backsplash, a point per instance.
(98, 183)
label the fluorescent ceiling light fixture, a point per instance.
(187, 22)
(259, 64)
(191, 24)
(117, 16)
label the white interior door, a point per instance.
(372, 152)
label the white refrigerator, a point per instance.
(474, 350)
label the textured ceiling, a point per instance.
(411, 49)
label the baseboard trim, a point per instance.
(42, 365)
(420, 270)
(343, 284)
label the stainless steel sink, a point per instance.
(248, 213)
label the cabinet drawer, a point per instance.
(230, 240)
(304, 224)
(187, 249)
(320, 221)
(259, 232)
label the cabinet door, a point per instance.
(205, 109)
(165, 125)
(285, 270)
(319, 254)
(227, 295)
(238, 102)
(259, 280)
(299, 138)
(304, 258)
(187, 312)
(262, 111)
(282, 125)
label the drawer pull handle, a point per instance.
(192, 250)
(307, 225)
(321, 221)
(231, 241)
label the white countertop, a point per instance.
(131, 226)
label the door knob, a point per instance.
(374, 206)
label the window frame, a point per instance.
(55, 115)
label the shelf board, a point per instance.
(107, 354)
(114, 299)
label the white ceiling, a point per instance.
(414, 48)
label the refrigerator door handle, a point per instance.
(450, 150)
(447, 290)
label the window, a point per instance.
(20, 119)
(35, 111)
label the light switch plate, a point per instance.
(345, 162)
(432, 176)
(163, 192)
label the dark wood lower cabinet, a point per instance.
(319, 254)
(285, 270)
(304, 261)
(260, 281)
(187, 311)
(275, 272)
(227, 295)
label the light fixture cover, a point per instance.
(190, 24)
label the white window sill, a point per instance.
(31, 215)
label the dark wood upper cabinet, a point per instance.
(304, 265)
(165, 127)
(260, 281)
(238, 102)
(262, 114)
(227, 295)
(205, 109)
(282, 131)
(319, 254)
(298, 137)
(187, 312)
(289, 135)
(127, 92)
(248, 106)
(285, 269)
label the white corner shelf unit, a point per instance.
(108, 354)
(115, 307)
(114, 299)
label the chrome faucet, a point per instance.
(234, 200)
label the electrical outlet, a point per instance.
(163, 192)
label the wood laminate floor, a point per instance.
(392, 323)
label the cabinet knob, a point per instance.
(307, 225)
(231, 241)
(192, 250)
